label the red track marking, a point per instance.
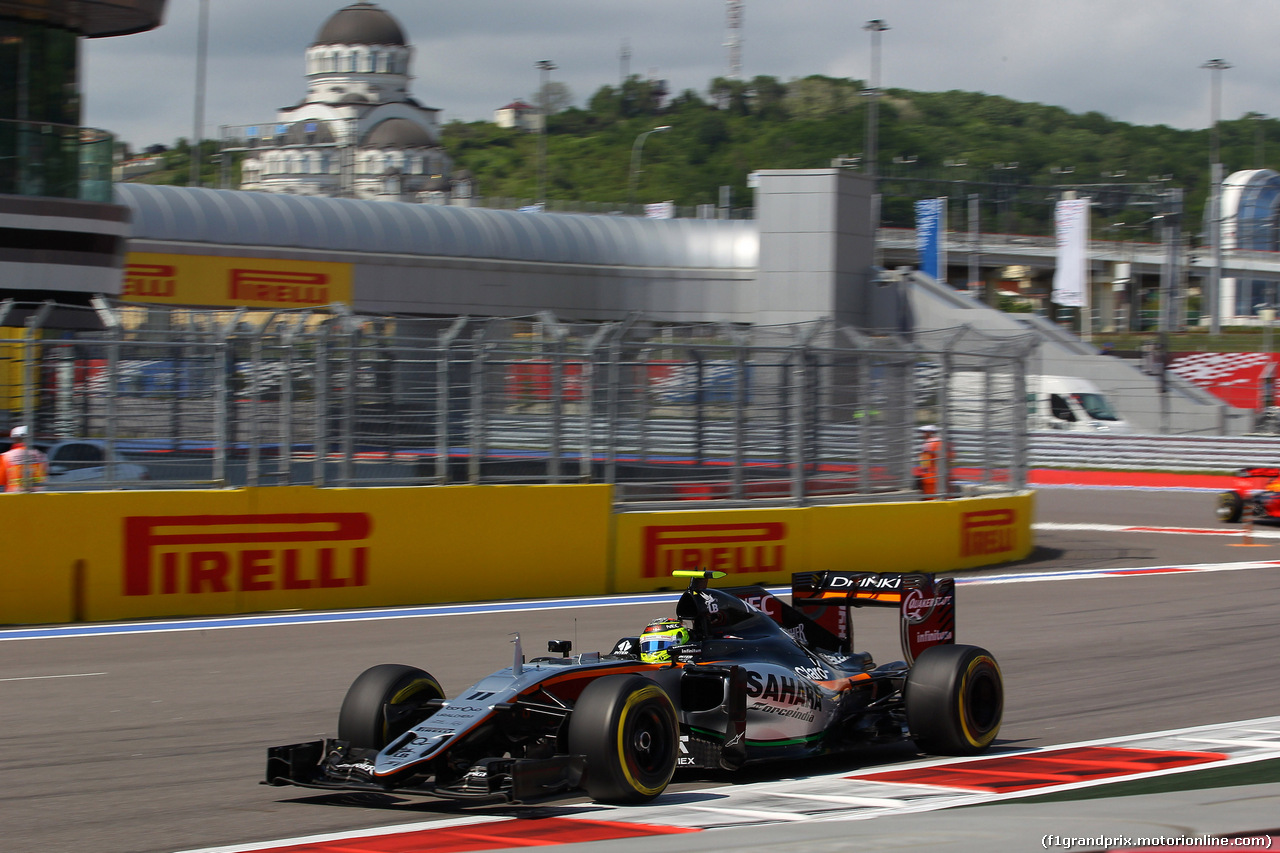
(1143, 479)
(1168, 570)
(542, 832)
(1044, 769)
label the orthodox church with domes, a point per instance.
(357, 133)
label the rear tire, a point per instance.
(626, 727)
(1230, 507)
(955, 700)
(385, 702)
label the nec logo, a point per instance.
(301, 288)
(733, 548)
(149, 280)
(990, 531)
(170, 554)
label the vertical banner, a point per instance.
(1071, 278)
(931, 219)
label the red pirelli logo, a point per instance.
(733, 548)
(989, 531)
(141, 280)
(301, 288)
(170, 554)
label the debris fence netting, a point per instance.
(792, 415)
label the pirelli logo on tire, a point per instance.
(202, 554)
(988, 531)
(739, 548)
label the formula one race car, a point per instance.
(1255, 491)
(752, 679)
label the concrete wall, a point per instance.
(817, 245)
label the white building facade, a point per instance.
(357, 133)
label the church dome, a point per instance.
(398, 133)
(360, 23)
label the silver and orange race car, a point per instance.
(757, 680)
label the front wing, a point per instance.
(333, 765)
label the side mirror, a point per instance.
(561, 646)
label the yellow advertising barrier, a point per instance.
(125, 555)
(766, 545)
(234, 282)
(96, 556)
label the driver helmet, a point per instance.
(659, 637)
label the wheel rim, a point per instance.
(651, 738)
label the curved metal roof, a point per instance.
(360, 23)
(257, 219)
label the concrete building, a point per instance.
(518, 114)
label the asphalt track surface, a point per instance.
(154, 743)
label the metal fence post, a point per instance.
(944, 427)
(346, 463)
(798, 422)
(285, 455)
(1020, 444)
(30, 379)
(444, 400)
(741, 391)
(111, 321)
(586, 453)
(558, 335)
(253, 471)
(223, 435)
(862, 372)
(476, 440)
(320, 446)
(699, 404)
(612, 409)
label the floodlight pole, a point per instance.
(875, 27)
(546, 66)
(202, 50)
(1215, 67)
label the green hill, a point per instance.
(1011, 154)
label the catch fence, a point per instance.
(785, 415)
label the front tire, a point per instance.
(385, 702)
(626, 727)
(1230, 507)
(955, 700)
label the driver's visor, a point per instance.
(652, 645)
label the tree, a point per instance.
(558, 97)
(730, 95)
(768, 98)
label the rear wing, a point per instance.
(926, 605)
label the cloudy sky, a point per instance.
(1138, 62)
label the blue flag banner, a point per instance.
(931, 216)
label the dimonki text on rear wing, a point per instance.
(820, 602)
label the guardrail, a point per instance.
(1147, 452)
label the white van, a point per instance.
(1052, 402)
(1069, 402)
